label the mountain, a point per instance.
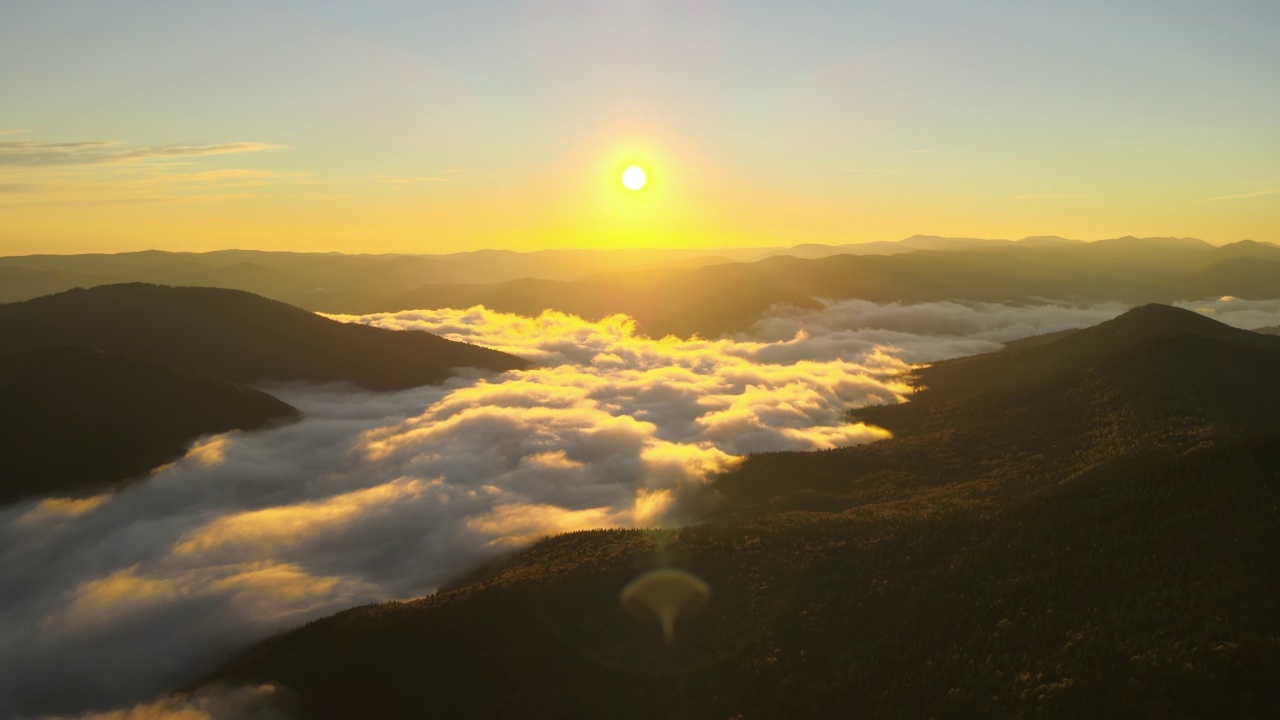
(1188, 243)
(1272, 330)
(718, 299)
(1047, 241)
(20, 283)
(1252, 277)
(1153, 376)
(1140, 388)
(1081, 527)
(1251, 249)
(334, 282)
(683, 292)
(76, 419)
(934, 242)
(237, 336)
(709, 301)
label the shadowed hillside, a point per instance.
(238, 336)
(1155, 363)
(74, 419)
(1081, 527)
(1154, 381)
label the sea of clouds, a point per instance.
(116, 598)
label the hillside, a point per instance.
(1158, 360)
(1154, 381)
(238, 336)
(1076, 528)
(75, 419)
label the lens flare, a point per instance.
(666, 595)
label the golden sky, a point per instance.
(405, 126)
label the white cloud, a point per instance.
(1247, 314)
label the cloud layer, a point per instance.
(27, 153)
(1247, 314)
(379, 496)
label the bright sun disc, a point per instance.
(634, 178)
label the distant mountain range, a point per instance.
(718, 299)
(1083, 525)
(727, 288)
(75, 419)
(325, 281)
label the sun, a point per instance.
(634, 178)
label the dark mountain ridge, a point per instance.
(78, 419)
(238, 336)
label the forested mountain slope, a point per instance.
(78, 419)
(1084, 527)
(238, 336)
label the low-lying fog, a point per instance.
(110, 600)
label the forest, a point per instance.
(1083, 527)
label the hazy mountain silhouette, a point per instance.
(1249, 248)
(599, 282)
(707, 301)
(74, 419)
(1254, 277)
(238, 336)
(1083, 526)
(1047, 240)
(718, 299)
(331, 282)
(20, 283)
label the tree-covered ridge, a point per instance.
(1084, 527)
(238, 336)
(78, 419)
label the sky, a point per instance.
(433, 127)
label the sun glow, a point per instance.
(634, 178)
